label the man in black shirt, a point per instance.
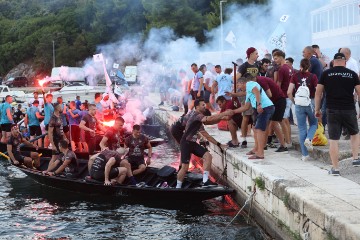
(339, 84)
(114, 136)
(18, 114)
(65, 162)
(18, 157)
(90, 124)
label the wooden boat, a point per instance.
(150, 187)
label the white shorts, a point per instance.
(287, 109)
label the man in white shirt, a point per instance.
(36, 97)
(351, 63)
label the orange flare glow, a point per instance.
(41, 82)
(109, 123)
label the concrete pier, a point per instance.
(294, 199)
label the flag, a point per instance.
(284, 18)
(120, 74)
(117, 90)
(115, 65)
(230, 38)
(278, 38)
(98, 57)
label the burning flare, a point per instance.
(109, 123)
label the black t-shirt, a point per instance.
(339, 83)
(116, 138)
(100, 162)
(70, 155)
(246, 67)
(18, 115)
(136, 145)
(90, 122)
(15, 142)
(57, 124)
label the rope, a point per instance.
(249, 199)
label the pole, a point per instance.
(222, 32)
(53, 53)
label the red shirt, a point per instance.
(284, 74)
(311, 83)
(228, 105)
(267, 83)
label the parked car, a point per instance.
(131, 74)
(18, 82)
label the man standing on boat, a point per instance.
(24, 157)
(40, 100)
(90, 124)
(137, 143)
(48, 110)
(74, 120)
(66, 161)
(55, 132)
(188, 144)
(107, 107)
(32, 120)
(114, 136)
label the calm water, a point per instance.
(29, 210)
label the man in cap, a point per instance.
(339, 84)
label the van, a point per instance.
(131, 74)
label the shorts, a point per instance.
(66, 128)
(280, 106)
(100, 175)
(207, 96)
(338, 119)
(6, 127)
(35, 130)
(237, 118)
(194, 95)
(288, 108)
(176, 133)
(20, 156)
(82, 135)
(91, 142)
(262, 119)
(135, 162)
(187, 148)
(75, 133)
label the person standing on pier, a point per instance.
(339, 84)
(188, 144)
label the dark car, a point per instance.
(18, 82)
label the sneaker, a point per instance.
(265, 148)
(356, 163)
(308, 145)
(334, 172)
(304, 158)
(282, 149)
(208, 184)
(272, 145)
(231, 145)
(161, 104)
(244, 144)
(141, 184)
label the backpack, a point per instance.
(302, 95)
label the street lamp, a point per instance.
(222, 30)
(53, 53)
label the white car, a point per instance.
(131, 74)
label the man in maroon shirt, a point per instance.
(234, 122)
(283, 81)
(277, 96)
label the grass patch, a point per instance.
(260, 183)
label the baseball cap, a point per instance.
(339, 56)
(249, 51)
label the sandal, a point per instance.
(255, 157)
(250, 153)
(230, 144)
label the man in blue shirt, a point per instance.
(32, 120)
(48, 110)
(74, 116)
(6, 119)
(78, 102)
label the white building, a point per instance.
(337, 25)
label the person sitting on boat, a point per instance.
(114, 136)
(107, 107)
(188, 144)
(65, 162)
(109, 167)
(6, 119)
(137, 143)
(17, 157)
(32, 118)
(90, 124)
(55, 132)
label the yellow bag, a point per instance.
(319, 137)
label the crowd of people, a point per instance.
(75, 127)
(321, 90)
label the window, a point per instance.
(331, 19)
(324, 21)
(313, 24)
(356, 13)
(336, 18)
(344, 16)
(340, 17)
(6, 90)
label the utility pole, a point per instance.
(53, 53)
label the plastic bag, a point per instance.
(319, 137)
